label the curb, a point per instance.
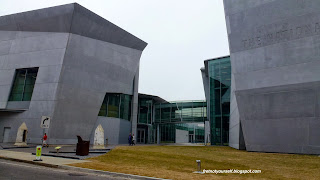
(114, 174)
(30, 162)
(85, 170)
(18, 147)
(58, 156)
(90, 152)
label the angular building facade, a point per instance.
(67, 63)
(216, 77)
(275, 80)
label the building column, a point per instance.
(207, 132)
(154, 136)
(134, 119)
(158, 134)
(194, 134)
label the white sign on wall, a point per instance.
(45, 122)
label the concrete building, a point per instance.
(181, 122)
(160, 121)
(67, 63)
(146, 130)
(275, 80)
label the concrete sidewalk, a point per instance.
(46, 160)
(62, 163)
(66, 151)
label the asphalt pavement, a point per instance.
(17, 170)
(23, 166)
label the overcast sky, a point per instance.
(180, 34)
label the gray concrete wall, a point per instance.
(275, 66)
(207, 133)
(115, 129)
(206, 86)
(70, 18)
(24, 50)
(205, 81)
(125, 129)
(91, 68)
(80, 56)
(234, 122)
(135, 105)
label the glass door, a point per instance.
(191, 137)
(141, 136)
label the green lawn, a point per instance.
(178, 162)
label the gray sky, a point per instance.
(180, 34)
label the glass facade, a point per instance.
(116, 105)
(181, 122)
(191, 133)
(145, 111)
(174, 112)
(23, 84)
(220, 83)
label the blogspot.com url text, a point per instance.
(232, 171)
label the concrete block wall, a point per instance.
(26, 50)
(116, 130)
(275, 67)
(91, 68)
(80, 56)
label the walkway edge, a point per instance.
(86, 170)
(114, 174)
(30, 162)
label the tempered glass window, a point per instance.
(220, 82)
(23, 84)
(125, 107)
(145, 111)
(113, 105)
(185, 132)
(184, 111)
(116, 105)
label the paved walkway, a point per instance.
(46, 160)
(65, 151)
(62, 163)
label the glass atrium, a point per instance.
(220, 86)
(181, 122)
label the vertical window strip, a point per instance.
(26, 92)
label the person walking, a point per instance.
(133, 140)
(44, 140)
(130, 139)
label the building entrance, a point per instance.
(141, 136)
(21, 139)
(24, 136)
(191, 138)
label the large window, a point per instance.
(116, 105)
(220, 82)
(182, 111)
(125, 106)
(145, 111)
(23, 84)
(182, 133)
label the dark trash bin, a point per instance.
(82, 147)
